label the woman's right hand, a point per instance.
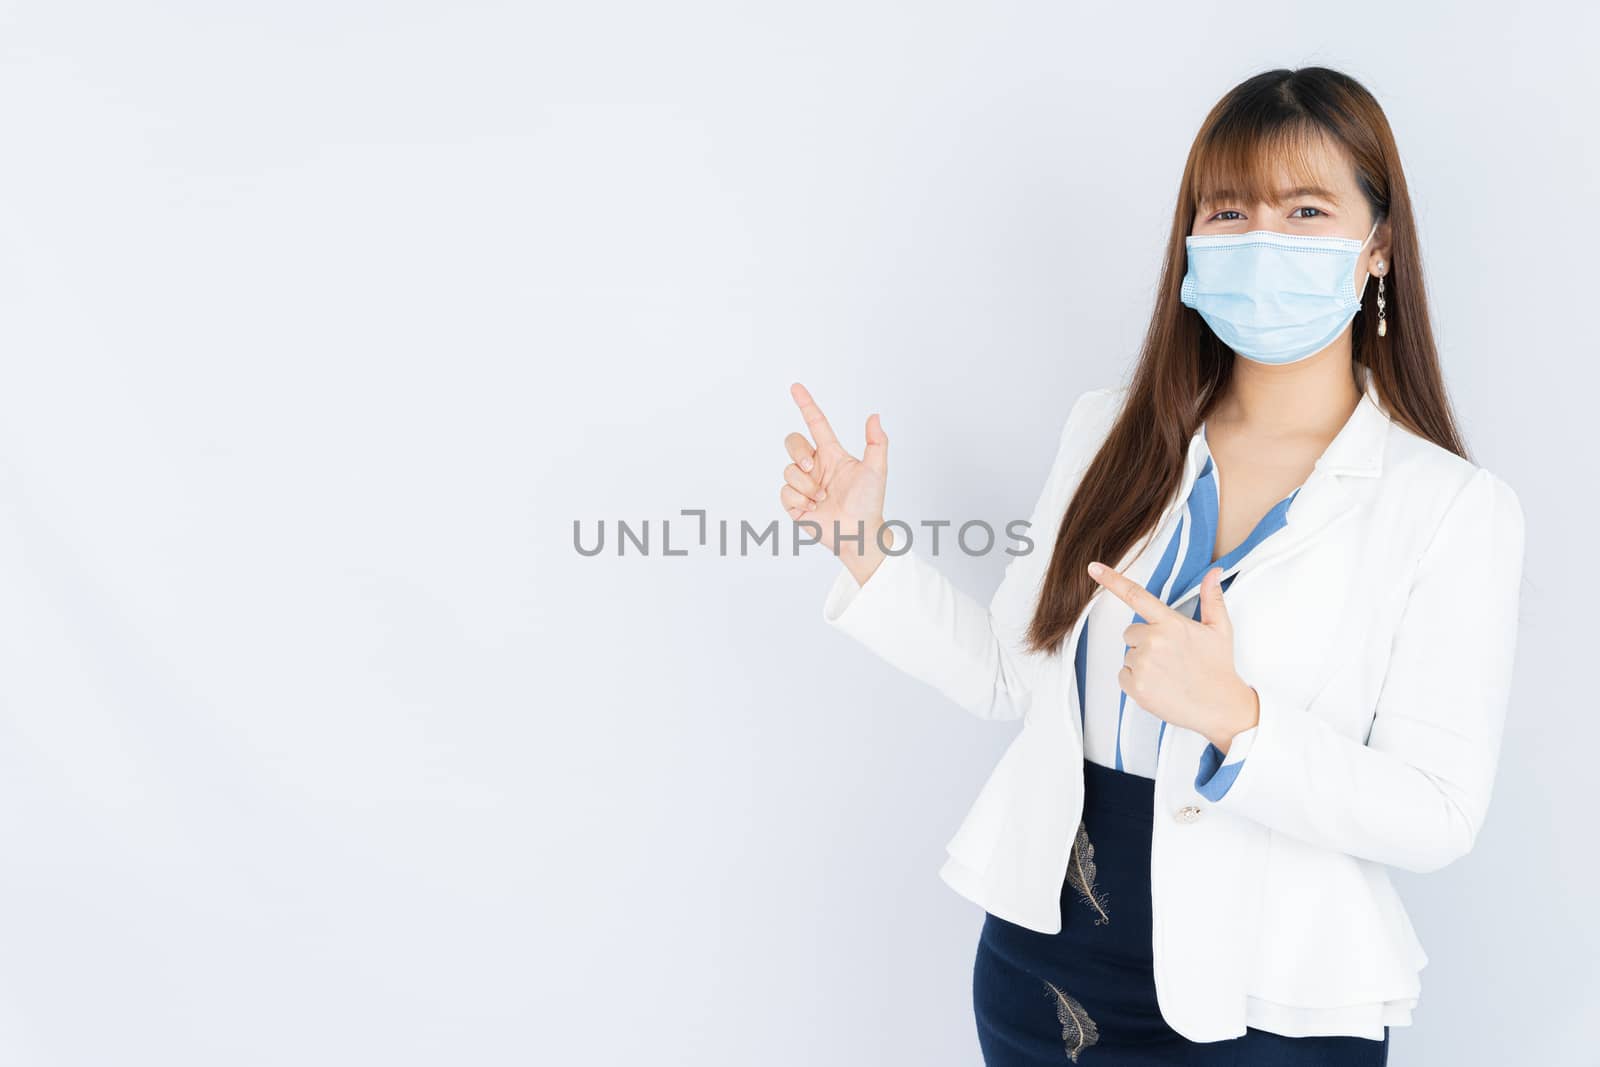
(841, 494)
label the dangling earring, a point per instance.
(1383, 324)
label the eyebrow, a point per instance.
(1283, 196)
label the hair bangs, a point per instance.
(1252, 162)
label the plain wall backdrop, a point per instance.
(321, 323)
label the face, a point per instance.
(1332, 207)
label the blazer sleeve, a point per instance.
(1217, 771)
(914, 618)
(1415, 794)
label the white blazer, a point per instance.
(1378, 627)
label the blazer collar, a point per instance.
(1357, 449)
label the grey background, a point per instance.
(321, 323)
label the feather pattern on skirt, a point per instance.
(1081, 873)
(1078, 1031)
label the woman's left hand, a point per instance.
(1181, 669)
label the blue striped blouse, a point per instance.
(1116, 731)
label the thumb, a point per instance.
(1213, 612)
(876, 454)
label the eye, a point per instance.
(1318, 210)
(1226, 211)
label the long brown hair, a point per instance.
(1268, 121)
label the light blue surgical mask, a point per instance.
(1274, 297)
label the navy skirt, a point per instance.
(1087, 995)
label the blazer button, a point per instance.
(1187, 813)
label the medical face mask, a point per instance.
(1274, 297)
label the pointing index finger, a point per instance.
(1133, 594)
(821, 432)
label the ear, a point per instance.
(1379, 261)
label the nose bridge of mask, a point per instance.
(1269, 270)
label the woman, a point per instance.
(1270, 613)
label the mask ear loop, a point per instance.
(1368, 273)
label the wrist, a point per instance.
(862, 560)
(1244, 712)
